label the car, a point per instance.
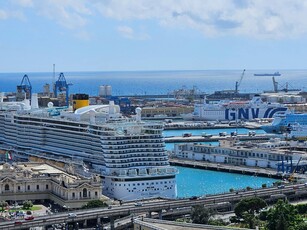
(138, 204)
(18, 222)
(29, 217)
(109, 207)
(20, 213)
(193, 198)
(281, 186)
(72, 215)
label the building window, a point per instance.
(28, 187)
(47, 186)
(37, 187)
(6, 187)
(96, 194)
(84, 192)
(73, 195)
(18, 188)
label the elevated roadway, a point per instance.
(270, 194)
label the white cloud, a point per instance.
(3, 14)
(252, 18)
(6, 14)
(255, 18)
(128, 32)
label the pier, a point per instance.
(241, 169)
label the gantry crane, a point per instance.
(25, 86)
(238, 83)
(61, 85)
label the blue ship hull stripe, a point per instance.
(267, 112)
(276, 110)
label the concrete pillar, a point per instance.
(98, 220)
(85, 223)
(160, 215)
(112, 223)
(149, 214)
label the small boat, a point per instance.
(268, 74)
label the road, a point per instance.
(156, 206)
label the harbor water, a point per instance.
(198, 132)
(199, 182)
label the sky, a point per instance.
(127, 35)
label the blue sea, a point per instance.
(159, 82)
(199, 182)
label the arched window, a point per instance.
(84, 192)
(6, 187)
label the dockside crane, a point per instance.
(238, 83)
(61, 85)
(25, 86)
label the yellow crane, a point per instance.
(291, 177)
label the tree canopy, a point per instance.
(95, 204)
(284, 216)
(201, 215)
(248, 207)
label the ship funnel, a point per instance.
(34, 101)
(79, 101)
(138, 112)
(1, 97)
(111, 107)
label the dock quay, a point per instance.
(205, 125)
(258, 137)
(241, 169)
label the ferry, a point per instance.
(267, 74)
(298, 131)
(283, 121)
(235, 110)
(128, 152)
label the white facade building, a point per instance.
(36, 181)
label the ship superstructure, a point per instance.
(129, 153)
(226, 110)
(283, 122)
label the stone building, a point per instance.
(36, 181)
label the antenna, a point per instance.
(53, 78)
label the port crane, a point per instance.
(238, 83)
(291, 177)
(25, 86)
(61, 85)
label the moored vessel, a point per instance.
(128, 153)
(227, 110)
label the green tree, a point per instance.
(3, 204)
(283, 216)
(95, 204)
(247, 208)
(201, 215)
(27, 204)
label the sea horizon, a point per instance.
(158, 82)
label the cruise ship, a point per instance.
(283, 122)
(128, 153)
(235, 110)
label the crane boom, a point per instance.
(238, 83)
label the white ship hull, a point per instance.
(127, 153)
(231, 111)
(140, 189)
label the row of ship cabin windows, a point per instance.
(155, 189)
(137, 164)
(7, 187)
(138, 184)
